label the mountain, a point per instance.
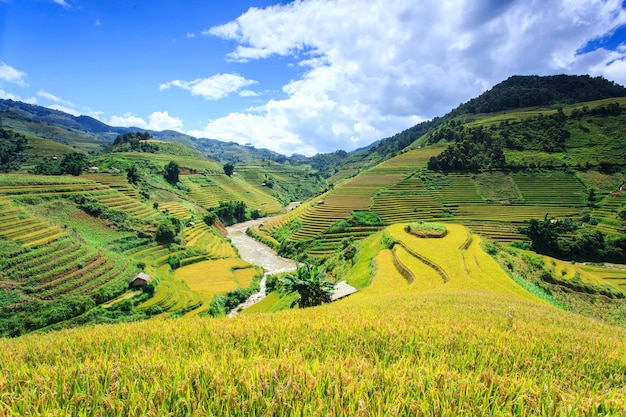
(69, 243)
(532, 90)
(478, 243)
(90, 134)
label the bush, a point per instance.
(167, 230)
(426, 229)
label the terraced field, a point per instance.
(402, 190)
(27, 231)
(117, 182)
(208, 266)
(607, 210)
(554, 188)
(31, 186)
(210, 190)
(65, 267)
(176, 209)
(454, 261)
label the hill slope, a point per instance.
(477, 345)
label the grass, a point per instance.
(440, 353)
(213, 277)
(426, 229)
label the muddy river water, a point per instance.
(258, 254)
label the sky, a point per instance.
(304, 76)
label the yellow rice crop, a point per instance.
(438, 353)
(477, 345)
(210, 277)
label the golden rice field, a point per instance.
(217, 276)
(475, 345)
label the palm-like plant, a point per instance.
(308, 281)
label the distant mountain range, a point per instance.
(90, 134)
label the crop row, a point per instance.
(26, 231)
(122, 202)
(555, 188)
(66, 267)
(116, 182)
(176, 209)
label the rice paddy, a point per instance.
(476, 345)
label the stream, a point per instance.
(258, 254)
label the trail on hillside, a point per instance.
(258, 254)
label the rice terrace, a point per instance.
(484, 250)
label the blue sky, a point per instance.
(295, 77)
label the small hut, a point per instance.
(140, 281)
(342, 289)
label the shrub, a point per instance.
(426, 229)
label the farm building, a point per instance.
(140, 280)
(342, 289)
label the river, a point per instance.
(259, 254)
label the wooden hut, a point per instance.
(140, 280)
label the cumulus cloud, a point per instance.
(12, 75)
(65, 109)
(371, 68)
(5, 95)
(52, 97)
(63, 4)
(212, 88)
(158, 121)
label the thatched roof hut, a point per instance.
(140, 280)
(342, 289)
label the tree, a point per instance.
(309, 283)
(543, 235)
(12, 150)
(172, 170)
(167, 230)
(229, 168)
(132, 175)
(231, 212)
(74, 163)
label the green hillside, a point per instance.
(71, 244)
(458, 338)
(487, 248)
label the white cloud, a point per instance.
(52, 97)
(375, 67)
(158, 121)
(127, 120)
(161, 120)
(10, 96)
(64, 109)
(213, 88)
(63, 4)
(190, 35)
(248, 93)
(12, 75)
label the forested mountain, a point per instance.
(532, 90)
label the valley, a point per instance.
(487, 248)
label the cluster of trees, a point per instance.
(135, 142)
(541, 133)
(547, 237)
(172, 172)
(167, 230)
(310, 284)
(401, 140)
(325, 163)
(611, 109)
(527, 91)
(73, 163)
(229, 213)
(13, 148)
(478, 149)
